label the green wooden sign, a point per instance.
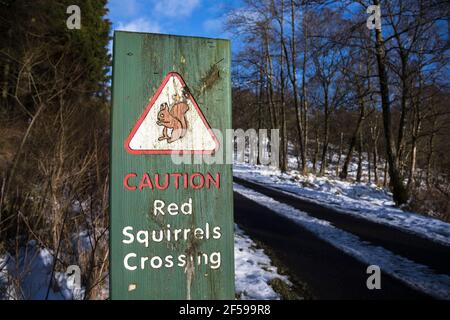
(171, 221)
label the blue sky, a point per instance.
(203, 18)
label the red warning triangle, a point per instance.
(172, 123)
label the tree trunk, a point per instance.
(349, 156)
(414, 137)
(400, 194)
(260, 106)
(375, 162)
(316, 145)
(430, 153)
(416, 128)
(385, 179)
(304, 99)
(269, 72)
(369, 165)
(412, 167)
(340, 153)
(292, 74)
(403, 110)
(326, 130)
(284, 138)
(360, 158)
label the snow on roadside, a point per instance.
(357, 199)
(413, 274)
(253, 270)
(27, 278)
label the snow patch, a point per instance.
(253, 270)
(28, 277)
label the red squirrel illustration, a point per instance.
(174, 118)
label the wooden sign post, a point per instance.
(171, 223)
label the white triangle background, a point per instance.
(197, 137)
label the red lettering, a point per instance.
(158, 186)
(146, 182)
(125, 181)
(194, 181)
(202, 181)
(176, 177)
(185, 182)
(210, 179)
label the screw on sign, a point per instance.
(171, 225)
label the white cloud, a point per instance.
(140, 25)
(176, 8)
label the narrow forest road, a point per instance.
(329, 272)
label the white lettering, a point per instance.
(125, 261)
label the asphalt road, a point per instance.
(330, 273)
